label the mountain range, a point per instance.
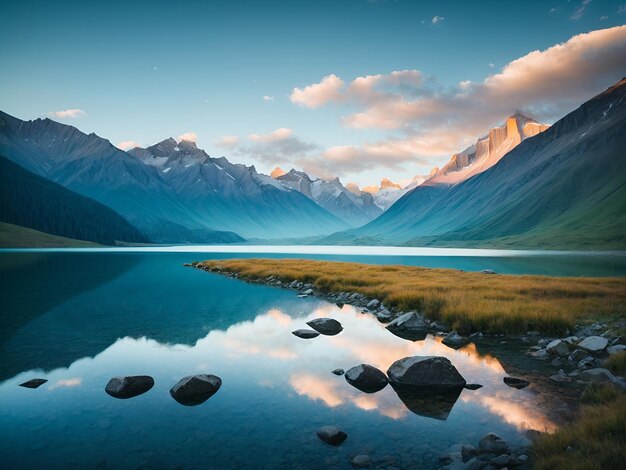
(564, 187)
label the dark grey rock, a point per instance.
(516, 382)
(305, 333)
(338, 372)
(366, 378)
(361, 461)
(331, 435)
(487, 271)
(501, 460)
(594, 344)
(33, 383)
(373, 304)
(326, 326)
(578, 355)
(492, 443)
(195, 389)
(454, 340)
(473, 386)
(425, 371)
(129, 386)
(616, 348)
(409, 326)
(558, 348)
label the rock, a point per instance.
(195, 389)
(541, 354)
(487, 271)
(588, 362)
(326, 326)
(542, 343)
(338, 372)
(477, 335)
(473, 386)
(366, 378)
(454, 340)
(33, 383)
(578, 355)
(373, 304)
(425, 371)
(467, 451)
(601, 375)
(361, 461)
(571, 340)
(331, 435)
(594, 344)
(516, 382)
(308, 292)
(384, 315)
(557, 348)
(409, 326)
(129, 386)
(492, 443)
(339, 305)
(615, 349)
(305, 333)
(561, 377)
(501, 460)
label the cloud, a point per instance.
(274, 136)
(268, 98)
(580, 11)
(318, 94)
(128, 144)
(189, 137)
(68, 114)
(228, 141)
(437, 19)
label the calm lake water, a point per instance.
(80, 318)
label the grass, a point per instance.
(466, 301)
(596, 440)
(616, 363)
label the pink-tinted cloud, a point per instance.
(188, 136)
(318, 94)
(68, 114)
(128, 144)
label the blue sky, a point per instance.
(144, 71)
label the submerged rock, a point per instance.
(454, 340)
(425, 371)
(33, 383)
(594, 344)
(305, 333)
(195, 389)
(473, 386)
(338, 372)
(326, 326)
(366, 378)
(492, 443)
(361, 461)
(129, 386)
(516, 382)
(331, 435)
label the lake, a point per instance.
(79, 317)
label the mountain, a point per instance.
(488, 150)
(389, 192)
(91, 166)
(563, 188)
(233, 196)
(28, 200)
(355, 208)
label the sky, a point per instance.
(357, 89)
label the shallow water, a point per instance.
(78, 319)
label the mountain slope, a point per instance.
(562, 188)
(31, 201)
(235, 197)
(15, 236)
(348, 205)
(91, 166)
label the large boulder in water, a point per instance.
(129, 386)
(454, 340)
(195, 389)
(409, 326)
(33, 383)
(425, 371)
(305, 333)
(326, 326)
(366, 378)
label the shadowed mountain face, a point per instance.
(31, 201)
(563, 188)
(352, 207)
(235, 197)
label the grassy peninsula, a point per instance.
(467, 301)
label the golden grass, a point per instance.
(616, 363)
(596, 440)
(464, 300)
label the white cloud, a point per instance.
(318, 94)
(189, 137)
(437, 19)
(228, 141)
(281, 133)
(580, 11)
(68, 114)
(268, 98)
(128, 144)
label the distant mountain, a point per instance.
(354, 207)
(389, 192)
(28, 200)
(235, 197)
(563, 188)
(91, 166)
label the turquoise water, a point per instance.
(80, 318)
